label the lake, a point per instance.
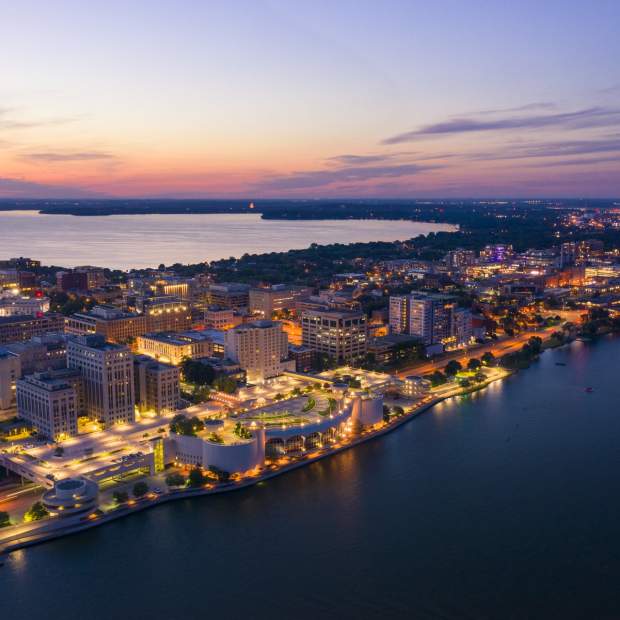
(500, 505)
(125, 241)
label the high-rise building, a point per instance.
(46, 352)
(258, 347)
(107, 371)
(430, 317)
(343, 336)
(156, 386)
(459, 258)
(50, 401)
(10, 372)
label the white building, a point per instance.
(258, 347)
(50, 403)
(107, 370)
(15, 305)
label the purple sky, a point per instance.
(310, 98)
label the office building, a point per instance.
(156, 386)
(216, 317)
(15, 305)
(47, 352)
(433, 318)
(50, 402)
(107, 371)
(24, 327)
(341, 335)
(109, 322)
(10, 372)
(258, 347)
(229, 295)
(264, 302)
(172, 348)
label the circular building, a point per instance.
(71, 496)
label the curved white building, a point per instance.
(219, 447)
(71, 496)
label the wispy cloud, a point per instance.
(343, 174)
(10, 121)
(51, 157)
(21, 188)
(579, 119)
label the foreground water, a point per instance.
(124, 241)
(501, 505)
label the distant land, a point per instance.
(446, 210)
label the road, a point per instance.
(498, 348)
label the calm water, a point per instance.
(124, 241)
(501, 506)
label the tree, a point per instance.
(140, 489)
(36, 512)
(398, 411)
(120, 497)
(175, 480)
(225, 384)
(182, 425)
(59, 451)
(438, 378)
(452, 367)
(196, 477)
(5, 519)
(473, 364)
(488, 359)
(386, 413)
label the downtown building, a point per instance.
(107, 373)
(259, 348)
(52, 401)
(24, 327)
(157, 388)
(341, 335)
(434, 319)
(264, 302)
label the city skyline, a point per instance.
(267, 100)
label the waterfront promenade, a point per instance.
(27, 534)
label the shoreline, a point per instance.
(35, 538)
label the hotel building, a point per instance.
(258, 347)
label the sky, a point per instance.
(309, 98)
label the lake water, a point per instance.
(502, 505)
(124, 241)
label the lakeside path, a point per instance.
(25, 535)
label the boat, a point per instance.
(560, 363)
(589, 390)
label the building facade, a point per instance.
(343, 336)
(258, 347)
(107, 371)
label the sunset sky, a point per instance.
(321, 98)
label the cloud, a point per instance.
(344, 174)
(579, 119)
(62, 157)
(8, 122)
(528, 107)
(20, 188)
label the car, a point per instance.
(157, 491)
